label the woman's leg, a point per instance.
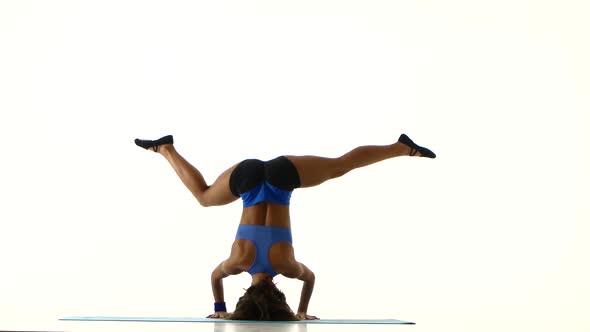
(216, 194)
(315, 170)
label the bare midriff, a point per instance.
(266, 214)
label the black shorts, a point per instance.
(279, 172)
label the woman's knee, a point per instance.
(204, 202)
(203, 198)
(339, 172)
(215, 197)
(340, 167)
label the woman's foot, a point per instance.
(415, 149)
(154, 145)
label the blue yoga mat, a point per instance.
(211, 320)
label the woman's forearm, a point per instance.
(306, 292)
(217, 283)
(217, 287)
(308, 278)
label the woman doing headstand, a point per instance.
(263, 243)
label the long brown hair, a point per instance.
(263, 301)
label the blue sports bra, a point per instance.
(263, 237)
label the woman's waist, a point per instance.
(266, 214)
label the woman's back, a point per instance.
(267, 214)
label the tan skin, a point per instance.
(312, 171)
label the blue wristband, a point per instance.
(220, 306)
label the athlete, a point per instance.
(263, 243)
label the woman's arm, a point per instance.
(308, 278)
(217, 282)
(297, 270)
(222, 270)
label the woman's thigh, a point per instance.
(219, 192)
(315, 170)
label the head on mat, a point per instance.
(263, 301)
(263, 246)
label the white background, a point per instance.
(493, 234)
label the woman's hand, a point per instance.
(219, 314)
(304, 316)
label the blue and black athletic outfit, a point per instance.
(257, 181)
